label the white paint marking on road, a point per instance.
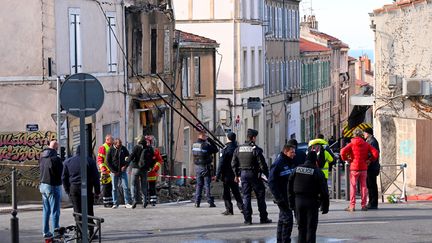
(350, 223)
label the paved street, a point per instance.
(409, 222)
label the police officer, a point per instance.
(203, 151)
(307, 190)
(280, 171)
(226, 174)
(248, 164)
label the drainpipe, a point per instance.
(125, 77)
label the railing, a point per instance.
(400, 171)
(96, 224)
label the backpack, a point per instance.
(320, 151)
(146, 160)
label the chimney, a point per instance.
(310, 21)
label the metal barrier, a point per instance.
(336, 180)
(97, 225)
(400, 171)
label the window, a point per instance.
(185, 77)
(260, 9)
(244, 9)
(245, 70)
(277, 77)
(283, 78)
(112, 128)
(137, 67)
(153, 51)
(253, 68)
(284, 24)
(260, 67)
(293, 24)
(75, 51)
(167, 50)
(111, 42)
(288, 24)
(252, 9)
(267, 78)
(266, 21)
(197, 75)
(280, 22)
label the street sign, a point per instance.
(220, 132)
(62, 117)
(82, 95)
(32, 127)
(254, 103)
(81, 92)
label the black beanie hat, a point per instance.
(368, 130)
(231, 136)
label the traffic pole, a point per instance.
(14, 220)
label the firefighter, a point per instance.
(152, 175)
(248, 164)
(203, 150)
(328, 156)
(105, 177)
(307, 191)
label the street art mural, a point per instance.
(22, 151)
(19, 147)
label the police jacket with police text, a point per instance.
(224, 169)
(308, 181)
(249, 156)
(202, 151)
(280, 171)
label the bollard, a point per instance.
(14, 220)
(184, 176)
(347, 182)
(338, 180)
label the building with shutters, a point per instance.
(49, 40)
(282, 74)
(238, 28)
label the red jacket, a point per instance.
(153, 174)
(359, 153)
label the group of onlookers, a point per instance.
(113, 161)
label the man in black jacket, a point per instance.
(280, 171)
(117, 164)
(226, 174)
(307, 189)
(51, 168)
(72, 183)
(248, 164)
(373, 171)
(139, 174)
(203, 150)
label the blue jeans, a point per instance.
(125, 185)
(203, 179)
(139, 182)
(51, 196)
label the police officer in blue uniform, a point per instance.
(203, 151)
(226, 174)
(248, 164)
(307, 191)
(280, 171)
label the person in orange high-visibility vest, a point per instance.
(105, 177)
(152, 175)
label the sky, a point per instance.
(347, 20)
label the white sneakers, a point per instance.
(126, 206)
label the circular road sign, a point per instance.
(81, 93)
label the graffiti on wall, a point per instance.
(406, 148)
(18, 147)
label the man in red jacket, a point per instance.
(359, 155)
